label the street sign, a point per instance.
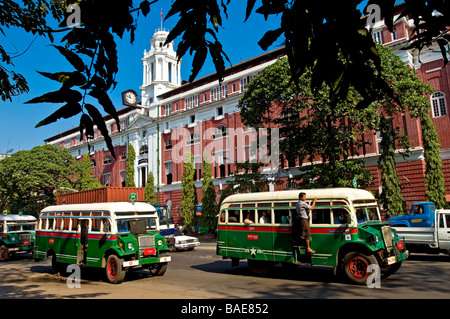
(133, 197)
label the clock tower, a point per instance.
(161, 70)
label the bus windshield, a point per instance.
(136, 225)
(367, 214)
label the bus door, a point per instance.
(82, 240)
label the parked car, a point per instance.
(184, 242)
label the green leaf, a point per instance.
(68, 79)
(60, 96)
(269, 38)
(106, 102)
(99, 121)
(73, 58)
(67, 111)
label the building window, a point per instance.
(123, 155)
(438, 104)
(168, 144)
(193, 138)
(107, 160)
(219, 113)
(220, 131)
(143, 150)
(106, 179)
(93, 163)
(394, 35)
(168, 109)
(191, 119)
(377, 37)
(168, 173)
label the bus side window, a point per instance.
(281, 216)
(248, 214)
(321, 216)
(106, 226)
(95, 224)
(58, 223)
(66, 222)
(340, 216)
(74, 224)
(233, 216)
(51, 222)
(222, 217)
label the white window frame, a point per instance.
(438, 104)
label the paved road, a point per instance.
(200, 274)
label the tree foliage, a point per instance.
(188, 192)
(150, 189)
(30, 179)
(209, 205)
(131, 157)
(85, 180)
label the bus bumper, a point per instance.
(132, 263)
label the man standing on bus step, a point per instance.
(303, 209)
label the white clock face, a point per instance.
(130, 97)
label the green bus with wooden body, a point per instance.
(117, 236)
(346, 232)
(16, 234)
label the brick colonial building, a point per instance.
(204, 113)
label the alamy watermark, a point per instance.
(74, 18)
(74, 279)
(374, 278)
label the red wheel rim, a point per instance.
(358, 266)
(112, 268)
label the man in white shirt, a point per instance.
(303, 209)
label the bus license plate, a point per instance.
(391, 260)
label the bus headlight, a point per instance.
(130, 246)
(160, 242)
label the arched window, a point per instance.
(438, 104)
(220, 131)
(143, 150)
(107, 160)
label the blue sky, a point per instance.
(18, 120)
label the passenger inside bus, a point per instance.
(249, 219)
(264, 219)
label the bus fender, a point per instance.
(352, 247)
(111, 251)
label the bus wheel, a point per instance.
(356, 266)
(114, 271)
(259, 267)
(4, 254)
(159, 269)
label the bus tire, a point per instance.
(259, 267)
(4, 253)
(115, 273)
(159, 270)
(356, 266)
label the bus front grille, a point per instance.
(388, 238)
(146, 241)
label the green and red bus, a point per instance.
(346, 232)
(117, 236)
(16, 234)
